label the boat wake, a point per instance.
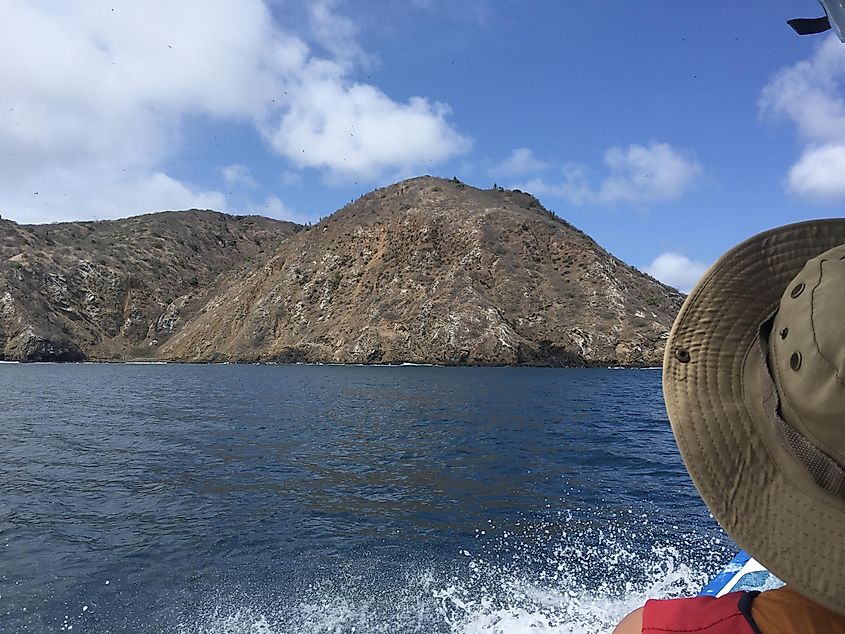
(515, 582)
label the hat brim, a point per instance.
(749, 481)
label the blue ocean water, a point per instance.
(259, 499)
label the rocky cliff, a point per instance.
(434, 271)
(118, 289)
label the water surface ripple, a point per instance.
(226, 498)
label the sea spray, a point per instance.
(530, 578)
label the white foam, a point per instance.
(540, 580)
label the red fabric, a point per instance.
(703, 615)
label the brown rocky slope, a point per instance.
(434, 271)
(121, 288)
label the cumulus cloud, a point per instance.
(808, 94)
(336, 33)
(521, 161)
(95, 193)
(676, 270)
(355, 130)
(638, 175)
(94, 97)
(275, 208)
(238, 175)
(819, 173)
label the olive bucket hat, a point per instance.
(754, 382)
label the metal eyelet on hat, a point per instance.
(795, 361)
(797, 290)
(682, 355)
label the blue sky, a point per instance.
(668, 131)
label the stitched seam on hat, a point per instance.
(752, 243)
(813, 326)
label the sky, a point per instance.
(668, 131)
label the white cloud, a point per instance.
(274, 207)
(819, 173)
(637, 175)
(94, 96)
(355, 130)
(153, 193)
(59, 194)
(676, 270)
(807, 93)
(238, 175)
(336, 33)
(521, 161)
(291, 178)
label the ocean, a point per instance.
(338, 499)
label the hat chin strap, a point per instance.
(825, 471)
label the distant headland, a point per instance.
(427, 270)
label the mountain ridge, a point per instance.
(426, 270)
(435, 271)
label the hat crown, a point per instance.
(807, 348)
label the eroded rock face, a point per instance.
(424, 271)
(433, 271)
(118, 289)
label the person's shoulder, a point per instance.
(687, 614)
(631, 624)
(786, 610)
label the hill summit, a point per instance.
(435, 271)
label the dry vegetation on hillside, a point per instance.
(118, 288)
(434, 271)
(425, 271)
